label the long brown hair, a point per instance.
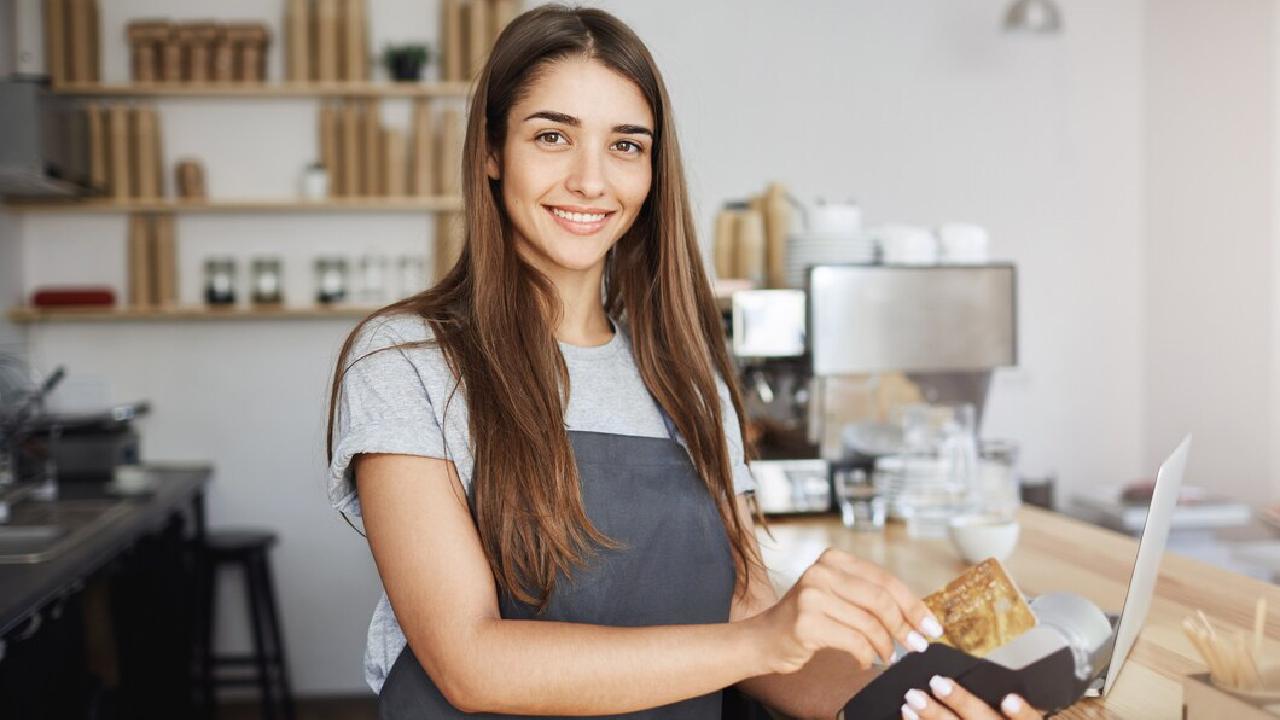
(493, 316)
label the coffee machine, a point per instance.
(824, 368)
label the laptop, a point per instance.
(1146, 568)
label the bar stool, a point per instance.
(248, 550)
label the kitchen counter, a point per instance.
(1057, 553)
(24, 589)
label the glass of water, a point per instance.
(862, 505)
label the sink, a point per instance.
(39, 531)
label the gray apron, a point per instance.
(673, 565)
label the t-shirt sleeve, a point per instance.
(383, 406)
(743, 481)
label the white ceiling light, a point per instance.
(1036, 16)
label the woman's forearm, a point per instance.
(819, 690)
(558, 668)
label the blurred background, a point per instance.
(203, 198)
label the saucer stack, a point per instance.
(816, 248)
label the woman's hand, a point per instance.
(952, 702)
(848, 604)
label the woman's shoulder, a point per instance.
(383, 331)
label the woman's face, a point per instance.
(576, 165)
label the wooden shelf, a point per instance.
(30, 315)
(268, 90)
(332, 205)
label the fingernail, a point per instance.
(940, 685)
(931, 627)
(1011, 704)
(916, 642)
(909, 714)
(916, 699)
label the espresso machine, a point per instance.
(824, 369)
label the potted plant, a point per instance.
(405, 62)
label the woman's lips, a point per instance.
(577, 228)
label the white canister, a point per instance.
(907, 245)
(314, 184)
(842, 220)
(963, 244)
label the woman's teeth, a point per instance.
(577, 217)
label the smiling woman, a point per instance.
(578, 162)
(546, 446)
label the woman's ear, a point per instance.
(492, 167)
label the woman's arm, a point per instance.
(440, 585)
(825, 684)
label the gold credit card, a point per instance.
(981, 609)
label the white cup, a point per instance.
(131, 478)
(978, 537)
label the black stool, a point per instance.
(248, 550)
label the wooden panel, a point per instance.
(269, 90)
(118, 151)
(395, 165)
(421, 174)
(326, 40)
(140, 280)
(297, 37)
(55, 41)
(371, 170)
(25, 315)
(206, 207)
(451, 58)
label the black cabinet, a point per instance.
(121, 646)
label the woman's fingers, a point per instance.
(864, 623)
(919, 706)
(949, 701)
(1015, 708)
(842, 637)
(870, 587)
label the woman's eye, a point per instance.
(630, 147)
(555, 137)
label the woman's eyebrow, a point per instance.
(572, 121)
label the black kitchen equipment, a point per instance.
(83, 447)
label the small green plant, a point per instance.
(405, 62)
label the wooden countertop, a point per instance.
(1057, 553)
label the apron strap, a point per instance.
(672, 432)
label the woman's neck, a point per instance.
(582, 317)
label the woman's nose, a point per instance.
(587, 175)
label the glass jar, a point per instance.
(266, 280)
(331, 280)
(371, 280)
(411, 271)
(862, 504)
(998, 482)
(220, 281)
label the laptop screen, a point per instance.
(1146, 568)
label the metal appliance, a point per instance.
(82, 447)
(934, 333)
(43, 142)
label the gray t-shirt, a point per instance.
(399, 401)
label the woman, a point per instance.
(546, 447)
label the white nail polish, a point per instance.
(940, 686)
(916, 642)
(917, 699)
(909, 714)
(932, 628)
(1011, 704)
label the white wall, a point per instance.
(926, 112)
(1211, 354)
(923, 110)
